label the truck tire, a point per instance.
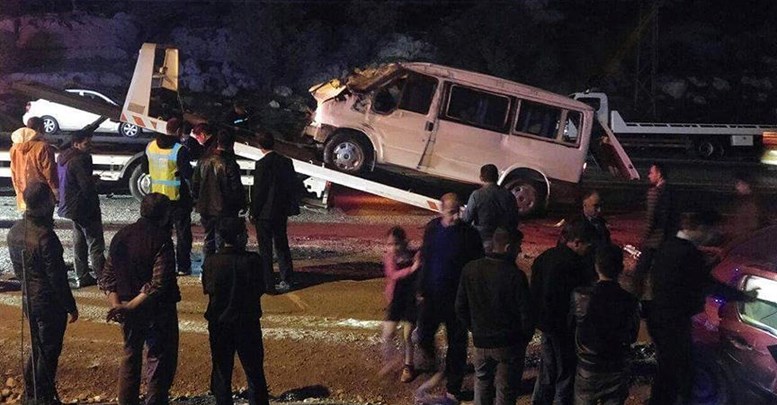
(529, 195)
(348, 152)
(139, 182)
(709, 149)
(50, 124)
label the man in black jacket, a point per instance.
(36, 255)
(139, 278)
(678, 277)
(494, 303)
(202, 142)
(448, 245)
(275, 197)
(217, 187)
(555, 274)
(80, 203)
(607, 318)
(491, 207)
(234, 290)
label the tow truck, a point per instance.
(707, 141)
(155, 78)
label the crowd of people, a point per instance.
(464, 277)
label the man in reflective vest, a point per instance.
(171, 172)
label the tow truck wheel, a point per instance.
(139, 183)
(50, 124)
(129, 130)
(348, 152)
(708, 149)
(528, 195)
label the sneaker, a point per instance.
(184, 273)
(282, 287)
(408, 374)
(82, 282)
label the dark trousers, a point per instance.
(157, 328)
(592, 388)
(498, 373)
(47, 330)
(88, 244)
(181, 218)
(246, 340)
(556, 377)
(674, 377)
(434, 312)
(272, 232)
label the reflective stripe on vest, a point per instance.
(162, 167)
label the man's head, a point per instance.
(233, 231)
(266, 141)
(577, 236)
(39, 200)
(592, 204)
(657, 173)
(743, 183)
(156, 207)
(609, 262)
(450, 209)
(202, 132)
(174, 127)
(489, 174)
(501, 241)
(81, 140)
(226, 140)
(36, 124)
(239, 107)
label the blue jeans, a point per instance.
(498, 373)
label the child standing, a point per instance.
(400, 264)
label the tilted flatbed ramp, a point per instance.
(60, 96)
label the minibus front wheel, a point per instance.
(349, 152)
(529, 196)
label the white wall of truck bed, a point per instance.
(619, 126)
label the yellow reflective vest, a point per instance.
(163, 169)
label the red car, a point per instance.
(737, 340)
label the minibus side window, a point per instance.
(538, 119)
(571, 133)
(480, 109)
(387, 97)
(418, 93)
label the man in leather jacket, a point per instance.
(36, 254)
(218, 190)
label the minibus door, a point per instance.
(609, 154)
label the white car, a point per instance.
(58, 117)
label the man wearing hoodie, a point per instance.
(171, 171)
(32, 160)
(81, 204)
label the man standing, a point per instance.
(494, 303)
(139, 278)
(202, 143)
(749, 214)
(170, 171)
(592, 218)
(491, 207)
(659, 224)
(81, 204)
(217, 188)
(274, 199)
(678, 277)
(32, 160)
(607, 324)
(36, 255)
(555, 274)
(448, 245)
(234, 290)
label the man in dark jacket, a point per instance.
(592, 218)
(607, 318)
(275, 197)
(218, 190)
(36, 255)
(555, 274)
(660, 224)
(679, 278)
(169, 166)
(491, 207)
(139, 278)
(494, 303)
(448, 245)
(80, 203)
(234, 290)
(202, 142)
